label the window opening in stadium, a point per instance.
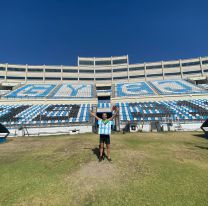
(103, 98)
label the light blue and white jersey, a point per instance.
(104, 128)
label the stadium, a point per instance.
(103, 103)
(166, 96)
(54, 101)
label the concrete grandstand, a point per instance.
(173, 93)
(113, 69)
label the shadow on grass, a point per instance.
(201, 147)
(201, 135)
(96, 152)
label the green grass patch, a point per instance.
(147, 169)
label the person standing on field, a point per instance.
(104, 132)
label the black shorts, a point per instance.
(105, 138)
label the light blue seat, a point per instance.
(103, 104)
(190, 110)
(171, 87)
(133, 89)
(43, 114)
(73, 91)
(32, 91)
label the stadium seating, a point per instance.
(103, 104)
(204, 86)
(28, 114)
(44, 114)
(74, 91)
(4, 92)
(53, 91)
(70, 91)
(32, 91)
(170, 87)
(134, 89)
(160, 110)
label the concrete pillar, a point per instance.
(26, 73)
(112, 69)
(163, 70)
(94, 71)
(78, 70)
(181, 69)
(145, 72)
(44, 73)
(201, 66)
(61, 73)
(128, 67)
(6, 68)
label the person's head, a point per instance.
(104, 116)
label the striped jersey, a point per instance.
(104, 126)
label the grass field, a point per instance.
(147, 169)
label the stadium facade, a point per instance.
(172, 95)
(101, 70)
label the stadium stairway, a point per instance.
(94, 91)
(103, 106)
(113, 87)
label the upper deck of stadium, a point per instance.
(105, 70)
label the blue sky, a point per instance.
(56, 32)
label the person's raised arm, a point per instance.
(113, 116)
(94, 115)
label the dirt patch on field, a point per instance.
(89, 178)
(93, 172)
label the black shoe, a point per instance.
(100, 159)
(109, 159)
